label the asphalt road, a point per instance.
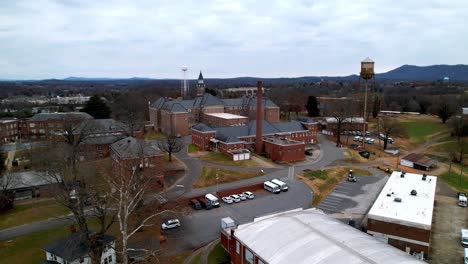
(202, 226)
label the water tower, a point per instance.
(367, 73)
(184, 83)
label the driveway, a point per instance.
(354, 199)
(201, 227)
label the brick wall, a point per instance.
(9, 130)
(272, 114)
(202, 139)
(284, 153)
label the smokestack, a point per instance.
(259, 132)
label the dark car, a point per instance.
(205, 203)
(195, 204)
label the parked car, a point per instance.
(169, 224)
(242, 197)
(227, 200)
(195, 204)
(464, 237)
(235, 198)
(205, 203)
(353, 133)
(462, 199)
(369, 140)
(249, 195)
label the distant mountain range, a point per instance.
(404, 73)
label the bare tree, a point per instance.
(445, 109)
(171, 145)
(340, 112)
(7, 197)
(130, 182)
(389, 126)
(76, 185)
(130, 109)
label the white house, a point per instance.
(73, 250)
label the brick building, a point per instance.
(9, 129)
(349, 124)
(402, 214)
(305, 236)
(224, 119)
(44, 125)
(176, 117)
(131, 154)
(286, 140)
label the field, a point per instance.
(208, 177)
(419, 129)
(31, 212)
(220, 158)
(218, 255)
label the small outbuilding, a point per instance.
(417, 161)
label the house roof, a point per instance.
(419, 159)
(101, 126)
(412, 210)
(26, 179)
(73, 246)
(202, 127)
(60, 116)
(131, 147)
(310, 236)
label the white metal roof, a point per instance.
(415, 211)
(310, 236)
(347, 120)
(225, 115)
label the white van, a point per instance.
(464, 237)
(213, 200)
(269, 186)
(466, 256)
(283, 186)
(462, 199)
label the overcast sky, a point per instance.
(286, 38)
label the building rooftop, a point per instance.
(26, 179)
(419, 159)
(347, 120)
(310, 236)
(225, 115)
(131, 147)
(283, 141)
(60, 116)
(412, 210)
(73, 246)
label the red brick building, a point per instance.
(44, 125)
(176, 117)
(224, 119)
(286, 140)
(349, 124)
(302, 237)
(131, 154)
(402, 214)
(9, 129)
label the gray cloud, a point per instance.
(52, 38)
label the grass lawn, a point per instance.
(192, 148)
(196, 259)
(27, 249)
(153, 135)
(218, 255)
(451, 146)
(28, 213)
(208, 177)
(419, 130)
(324, 181)
(454, 179)
(179, 258)
(220, 158)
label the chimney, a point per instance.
(259, 132)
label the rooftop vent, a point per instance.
(402, 175)
(424, 177)
(389, 194)
(398, 200)
(414, 192)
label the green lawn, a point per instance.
(27, 249)
(28, 213)
(454, 179)
(192, 148)
(451, 146)
(218, 255)
(196, 259)
(208, 177)
(220, 158)
(419, 130)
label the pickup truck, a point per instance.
(462, 200)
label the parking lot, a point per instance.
(202, 226)
(354, 199)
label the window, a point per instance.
(248, 256)
(237, 247)
(32, 125)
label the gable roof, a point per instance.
(73, 246)
(60, 116)
(131, 147)
(101, 126)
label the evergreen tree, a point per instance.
(312, 107)
(97, 108)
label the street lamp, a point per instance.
(367, 73)
(217, 178)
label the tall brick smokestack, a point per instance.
(259, 132)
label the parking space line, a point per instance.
(329, 203)
(333, 198)
(341, 192)
(327, 208)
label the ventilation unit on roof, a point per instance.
(389, 194)
(402, 175)
(398, 200)
(414, 192)
(424, 177)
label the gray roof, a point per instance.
(60, 116)
(101, 126)
(73, 246)
(102, 140)
(207, 100)
(27, 179)
(232, 134)
(131, 147)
